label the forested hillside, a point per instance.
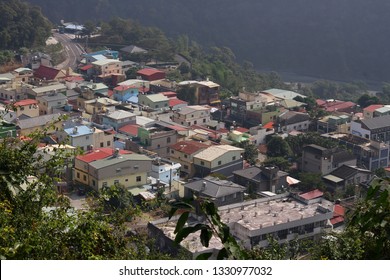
(22, 25)
(336, 39)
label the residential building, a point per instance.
(222, 159)
(99, 105)
(334, 123)
(165, 170)
(177, 104)
(102, 138)
(49, 73)
(368, 112)
(384, 111)
(192, 115)
(246, 101)
(106, 167)
(107, 67)
(183, 153)
(374, 129)
(281, 94)
(259, 116)
(47, 103)
(102, 54)
(157, 101)
(157, 137)
(283, 217)
(221, 192)
(317, 159)
(27, 107)
(206, 92)
(36, 92)
(333, 105)
(151, 74)
(79, 136)
(125, 93)
(346, 175)
(370, 154)
(261, 179)
(291, 120)
(23, 75)
(73, 81)
(119, 118)
(29, 125)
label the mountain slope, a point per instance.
(340, 39)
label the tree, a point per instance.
(250, 151)
(281, 162)
(366, 100)
(278, 147)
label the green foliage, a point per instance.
(281, 162)
(250, 151)
(366, 100)
(310, 181)
(187, 94)
(343, 91)
(22, 25)
(278, 147)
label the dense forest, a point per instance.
(342, 40)
(22, 25)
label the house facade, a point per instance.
(377, 129)
(165, 170)
(28, 107)
(222, 159)
(157, 101)
(47, 103)
(119, 118)
(192, 115)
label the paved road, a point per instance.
(73, 50)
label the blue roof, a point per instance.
(133, 99)
(81, 130)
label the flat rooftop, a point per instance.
(265, 214)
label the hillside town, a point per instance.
(140, 135)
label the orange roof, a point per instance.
(189, 147)
(101, 153)
(148, 71)
(241, 129)
(131, 129)
(124, 87)
(26, 102)
(312, 194)
(269, 125)
(338, 210)
(176, 101)
(74, 79)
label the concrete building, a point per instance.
(206, 92)
(98, 170)
(183, 153)
(107, 67)
(317, 159)
(192, 115)
(291, 120)
(284, 217)
(157, 137)
(222, 159)
(368, 112)
(118, 118)
(35, 92)
(29, 125)
(156, 102)
(165, 170)
(260, 179)
(221, 192)
(369, 154)
(79, 136)
(27, 107)
(47, 103)
(377, 129)
(345, 176)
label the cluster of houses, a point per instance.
(137, 133)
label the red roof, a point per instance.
(223, 130)
(320, 102)
(312, 194)
(86, 67)
(176, 101)
(101, 153)
(338, 210)
(169, 94)
(188, 147)
(110, 93)
(48, 73)
(26, 102)
(336, 220)
(148, 71)
(131, 129)
(269, 125)
(340, 106)
(372, 107)
(241, 129)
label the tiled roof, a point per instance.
(86, 67)
(169, 94)
(26, 102)
(340, 106)
(373, 107)
(98, 154)
(346, 171)
(175, 101)
(131, 129)
(124, 87)
(148, 71)
(269, 125)
(291, 117)
(242, 129)
(312, 194)
(188, 147)
(38, 121)
(120, 114)
(48, 73)
(74, 79)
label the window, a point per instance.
(185, 166)
(118, 170)
(136, 167)
(156, 106)
(116, 182)
(22, 108)
(219, 162)
(87, 137)
(185, 156)
(108, 143)
(158, 146)
(202, 163)
(138, 178)
(126, 180)
(172, 151)
(93, 183)
(234, 158)
(204, 120)
(101, 144)
(195, 122)
(168, 139)
(78, 175)
(85, 177)
(104, 184)
(59, 103)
